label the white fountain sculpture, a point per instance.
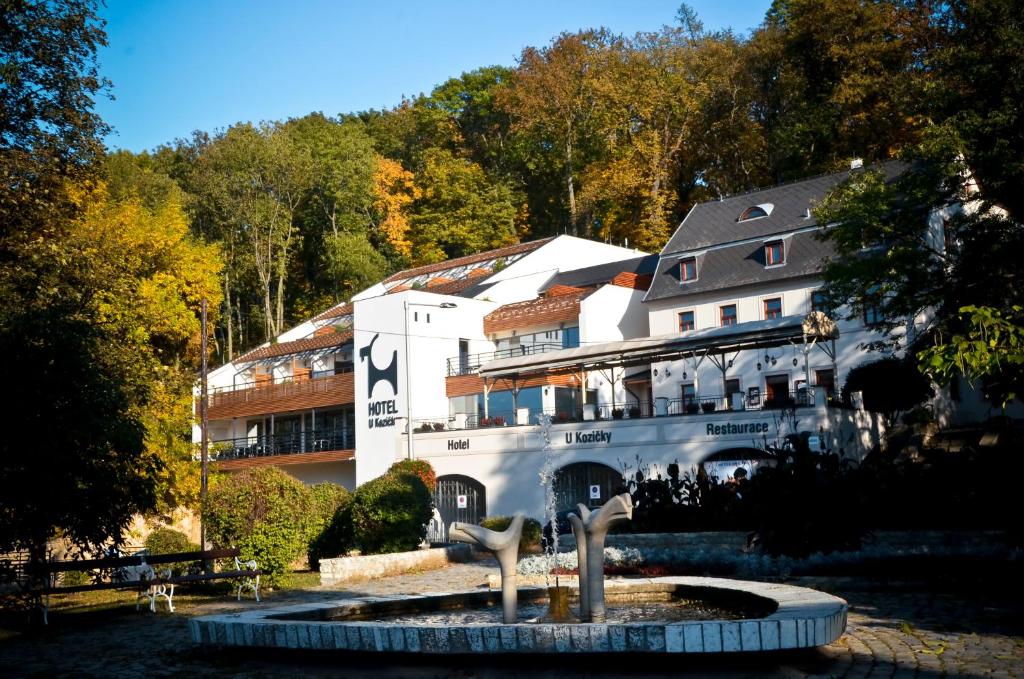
(505, 547)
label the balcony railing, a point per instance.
(315, 441)
(268, 381)
(705, 404)
(469, 363)
(245, 392)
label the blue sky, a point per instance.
(181, 65)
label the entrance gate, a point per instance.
(574, 483)
(457, 498)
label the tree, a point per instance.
(672, 107)
(75, 463)
(394, 192)
(552, 100)
(459, 211)
(942, 238)
(253, 182)
(838, 79)
(889, 385)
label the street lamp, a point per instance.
(408, 368)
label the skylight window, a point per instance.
(756, 212)
(688, 269)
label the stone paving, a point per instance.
(895, 630)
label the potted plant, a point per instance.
(439, 426)
(692, 407)
(708, 406)
(617, 413)
(634, 412)
(485, 421)
(498, 421)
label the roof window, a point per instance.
(756, 212)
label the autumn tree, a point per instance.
(100, 299)
(552, 99)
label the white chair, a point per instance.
(247, 581)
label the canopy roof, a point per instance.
(724, 340)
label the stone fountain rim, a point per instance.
(803, 618)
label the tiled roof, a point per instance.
(508, 251)
(716, 222)
(335, 312)
(334, 339)
(541, 311)
(742, 264)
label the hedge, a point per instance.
(390, 513)
(165, 540)
(263, 512)
(334, 537)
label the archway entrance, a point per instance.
(457, 498)
(589, 483)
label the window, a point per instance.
(819, 302)
(689, 394)
(688, 269)
(872, 305)
(773, 308)
(872, 313)
(727, 314)
(756, 212)
(774, 253)
(686, 321)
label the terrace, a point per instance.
(267, 394)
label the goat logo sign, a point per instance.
(375, 374)
(381, 413)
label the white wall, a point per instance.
(507, 460)
(311, 473)
(431, 344)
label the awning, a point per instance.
(728, 339)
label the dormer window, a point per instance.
(688, 269)
(774, 253)
(756, 212)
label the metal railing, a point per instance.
(468, 363)
(703, 404)
(314, 441)
(278, 389)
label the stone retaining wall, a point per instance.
(734, 542)
(355, 568)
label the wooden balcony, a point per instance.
(285, 396)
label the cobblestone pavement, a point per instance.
(895, 630)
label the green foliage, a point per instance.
(165, 540)
(390, 513)
(459, 211)
(326, 500)
(529, 540)
(890, 386)
(263, 512)
(334, 539)
(420, 468)
(991, 348)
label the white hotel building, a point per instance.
(704, 351)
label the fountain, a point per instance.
(653, 615)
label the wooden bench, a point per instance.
(137, 573)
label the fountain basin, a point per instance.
(772, 617)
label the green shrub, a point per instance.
(529, 540)
(889, 385)
(263, 512)
(165, 540)
(334, 538)
(390, 513)
(420, 468)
